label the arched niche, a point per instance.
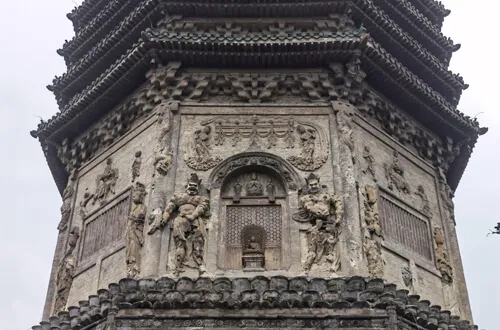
(253, 190)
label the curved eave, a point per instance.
(433, 10)
(82, 15)
(417, 58)
(114, 12)
(413, 20)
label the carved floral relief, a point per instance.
(188, 214)
(306, 138)
(323, 211)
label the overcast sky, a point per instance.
(32, 30)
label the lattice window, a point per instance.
(405, 228)
(106, 228)
(265, 216)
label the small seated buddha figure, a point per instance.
(253, 255)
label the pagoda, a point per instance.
(257, 164)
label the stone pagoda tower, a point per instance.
(257, 164)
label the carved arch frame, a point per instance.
(291, 181)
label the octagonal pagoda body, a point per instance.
(322, 142)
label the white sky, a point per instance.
(30, 33)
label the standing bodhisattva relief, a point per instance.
(395, 175)
(106, 182)
(372, 242)
(291, 133)
(324, 212)
(442, 259)
(189, 226)
(163, 161)
(425, 208)
(67, 201)
(136, 165)
(369, 163)
(135, 231)
(65, 272)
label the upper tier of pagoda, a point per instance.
(399, 44)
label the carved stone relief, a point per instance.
(189, 226)
(163, 161)
(345, 127)
(407, 276)
(442, 259)
(372, 242)
(425, 208)
(199, 155)
(309, 138)
(324, 213)
(395, 175)
(136, 166)
(255, 159)
(87, 197)
(105, 183)
(369, 163)
(65, 272)
(67, 201)
(135, 231)
(254, 186)
(253, 239)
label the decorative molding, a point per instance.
(257, 131)
(255, 159)
(168, 83)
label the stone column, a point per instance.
(351, 231)
(163, 186)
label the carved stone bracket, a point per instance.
(167, 84)
(255, 159)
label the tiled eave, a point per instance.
(109, 48)
(432, 9)
(417, 59)
(81, 15)
(411, 19)
(114, 12)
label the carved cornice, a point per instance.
(264, 293)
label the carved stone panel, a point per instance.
(306, 142)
